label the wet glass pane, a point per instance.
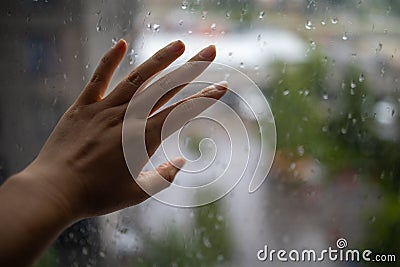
(330, 73)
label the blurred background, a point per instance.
(329, 70)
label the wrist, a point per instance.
(37, 186)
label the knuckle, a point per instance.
(135, 79)
(96, 78)
(105, 60)
(160, 56)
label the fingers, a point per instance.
(154, 181)
(98, 84)
(183, 111)
(159, 61)
(191, 70)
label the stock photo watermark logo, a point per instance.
(340, 253)
(221, 140)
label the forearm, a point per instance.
(31, 219)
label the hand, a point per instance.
(82, 165)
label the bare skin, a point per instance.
(81, 172)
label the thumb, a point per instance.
(156, 180)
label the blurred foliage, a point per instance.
(48, 259)
(334, 123)
(209, 244)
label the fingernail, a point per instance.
(221, 86)
(178, 162)
(207, 52)
(119, 44)
(175, 46)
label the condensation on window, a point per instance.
(329, 71)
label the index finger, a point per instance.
(124, 91)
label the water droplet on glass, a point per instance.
(353, 84)
(228, 14)
(286, 92)
(102, 254)
(306, 92)
(185, 4)
(313, 45)
(203, 14)
(323, 22)
(132, 57)
(207, 242)
(213, 26)
(87, 66)
(343, 130)
(372, 219)
(114, 41)
(379, 48)
(345, 37)
(220, 258)
(309, 25)
(325, 96)
(98, 25)
(261, 14)
(361, 78)
(180, 22)
(84, 251)
(334, 20)
(241, 65)
(156, 27)
(300, 150)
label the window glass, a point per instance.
(329, 71)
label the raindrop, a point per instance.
(309, 25)
(313, 45)
(132, 56)
(353, 84)
(84, 251)
(325, 96)
(261, 14)
(203, 14)
(300, 150)
(241, 65)
(156, 27)
(361, 78)
(334, 20)
(102, 254)
(286, 92)
(87, 66)
(228, 14)
(185, 4)
(180, 22)
(213, 26)
(379, 48)
(323, 22)
(207, 242)
(324, 129)
(98, 25)
(343, 131)
(345, 37)
(372, 219)
(114, 41)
